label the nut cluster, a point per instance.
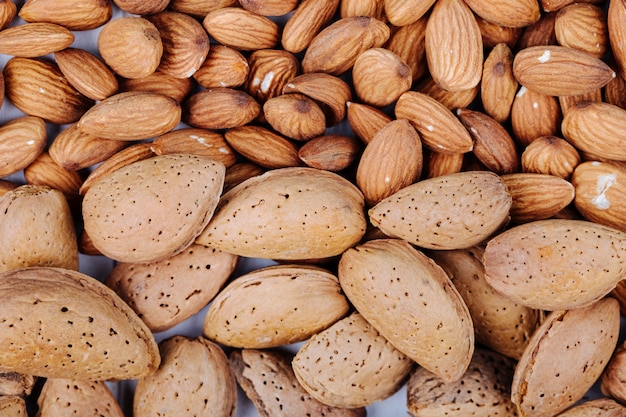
(436, 187)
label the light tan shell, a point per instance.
(410, 300)
(80, 328)
(37, 229)
(350, 364)
(14, 383)
(267, 378)
(499, 324)
(194, 379)
(483, 391)
(555, 264)
(167, 292)
(564, 358)
(452, 211)
(274, 306)
(12, 406)
(289, 213)
(66, 397)
(600, 407)
(154, 208)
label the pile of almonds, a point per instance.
(432, 193)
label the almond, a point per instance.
(131, 46)
(305, 23)
(61, 396)
(408, 43)
(493, 146)
(87, 73)
(133, 115)
(455, 57)
(350, 350)
(294, 213)
(200, 9)
(566, 263)
(439, 129)
(451, 99)
(8, 10)
(507, 13)
(550, 155)
(436, 225)
(45, 171)
(390, 162)
(437, 164)
(537, 196)
(493, 33)
(202, 142)
(306, 300)
(84, 329)
(567, 102)
(373, 8)
(270, 70)
(583, 340)
(484, 390)
(22, 140)
(330, 152)
(330, 92)
(498, 86)
(38, 229)
(140, 7)
(38, 88)
(539, 33)
(534, 115)
(72, 14)
(220, 108)
(74, 149)
(158, 82)
(239, 172)
(584, 27)
(413, 283)
(263, 147)
(612, 381)
(402, 13)
(241, 29)
(599, 192)
(380, 77)
(267, 378)
(499, 324)
(32, 40)
(201, 373)
(271, 7)
(168, 292)
(596, 128)
(365, 121)
(617, 34)
(556, 5)
(560, 71)
(335, 49)
(126, 156)
(598, 406)
(223, 67)
(132, 216)
(296, 116)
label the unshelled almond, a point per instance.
(271, 7)
(158, 82)
(195, 141)
(72, 14)
(507, 13)
(139, 7)
(550, 155)
(437, 164)
(498, 86)
(567, 102)
(87, 73)
(493, 34)
(270, 70)
(380, 76)
(263, 147)
(307, 20)
(331, 152)
(453, 100)
(408, 43)
(373, 8)
(22, 140)
(32, 40)
(45, 171)
(539, 33)
(402, 13)
(583, 26)
(241, 29)
(220, 108)
(534, 115)
(617, 33)
(296, 116)
(223, 67)
(365, 120)
(8, 10)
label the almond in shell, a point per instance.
(14, 383)
(267, 378)
(291, 214)
(597, 407)
(200, 371)
(422, 314)
(63, 396)
(564, 358)
(562, 263)
(306, 300)
(445, 212)
(83, 329)
(350, 350)
(72, 14)
(612, 379)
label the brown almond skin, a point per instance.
(200, 9)
(498, 85)
(296, 116)
(263, 147)
(583, 340)
(617, 33)
(267, 378)
(131, 46)
(240, 172)
(270, 70)
(158, 82)
(584, 27)
(509, 14)
(72, 14)
(307, 20)
(380, 76)
(537, 196)
(241, 29)
(566, 263)
(22, 140)
(499, 324)
(46, 172)
(293, 214)
(223, 67)
(84, 329)
(87, 73)
(141, 7)
(12, 405)
(330, 152)
(38, 229)
(483, 391)
(408, 42)
(32, 40)
(534, 115)
(612, 380)
(199, 370)
(596, 408)
(133, 115)
(168, 292)
(420, 304)
(38, 88)
(494, 34)
(453, 100)
(269, 8)
(220, 108)
(140, 198)
(550, 155)
(310, 300)
(365, 121)
(434, 225)
(195, 141)
(350, 350)
(401, 13)
(8, 10)
(60, 396)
